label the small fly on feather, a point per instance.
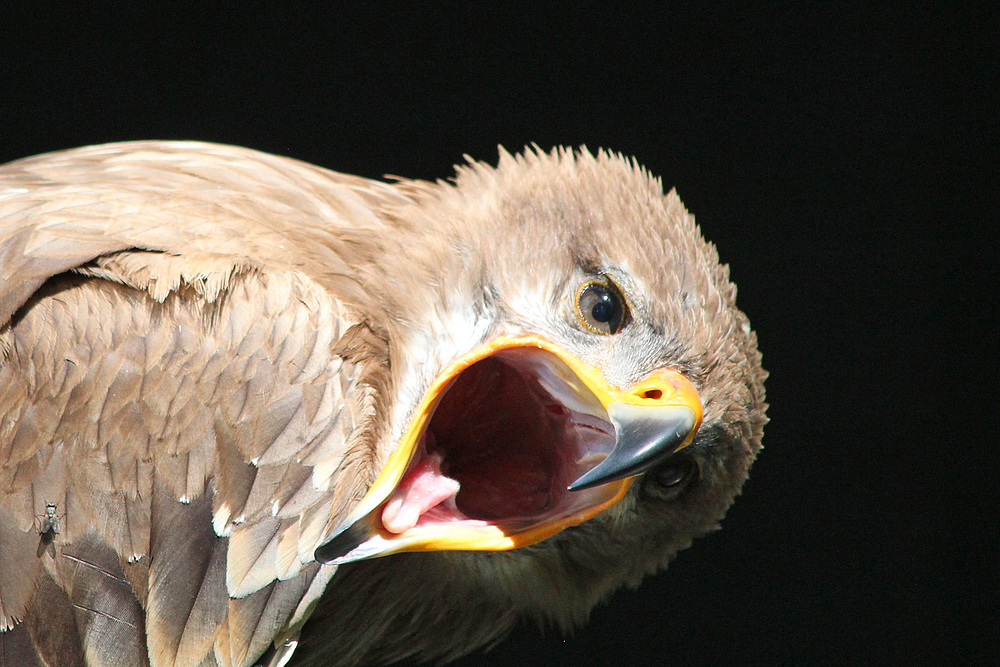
(48, 527)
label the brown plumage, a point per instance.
(208, 356)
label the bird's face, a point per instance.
(561, 399)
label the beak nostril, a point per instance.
(653, 394)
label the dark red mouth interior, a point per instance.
(499, 435)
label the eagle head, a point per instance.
(572, 397)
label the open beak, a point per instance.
(513, 443)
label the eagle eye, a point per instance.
(673, 476)
(601, 307)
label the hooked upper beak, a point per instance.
(653, 419)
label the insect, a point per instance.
(48, 525)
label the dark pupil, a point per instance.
(603, 310)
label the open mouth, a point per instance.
(506, 440)
(513, 443)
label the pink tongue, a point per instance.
(420, 489)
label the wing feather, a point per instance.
(252, 557)
(185, 380)
(18, 648)
(19, 570)
(109, 618)
(51, 609)
(261, 615)
(187, 590)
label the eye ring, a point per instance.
(601, 307)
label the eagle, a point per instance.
(256, 412)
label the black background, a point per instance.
(845, 165)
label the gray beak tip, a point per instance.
(645, 437)
(341, 544)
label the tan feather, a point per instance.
(17, 647)
(19, 571)
(252, 557)
(51, 623)
(109, 619)
(207, 375)
(257, 618)
(187, 591)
